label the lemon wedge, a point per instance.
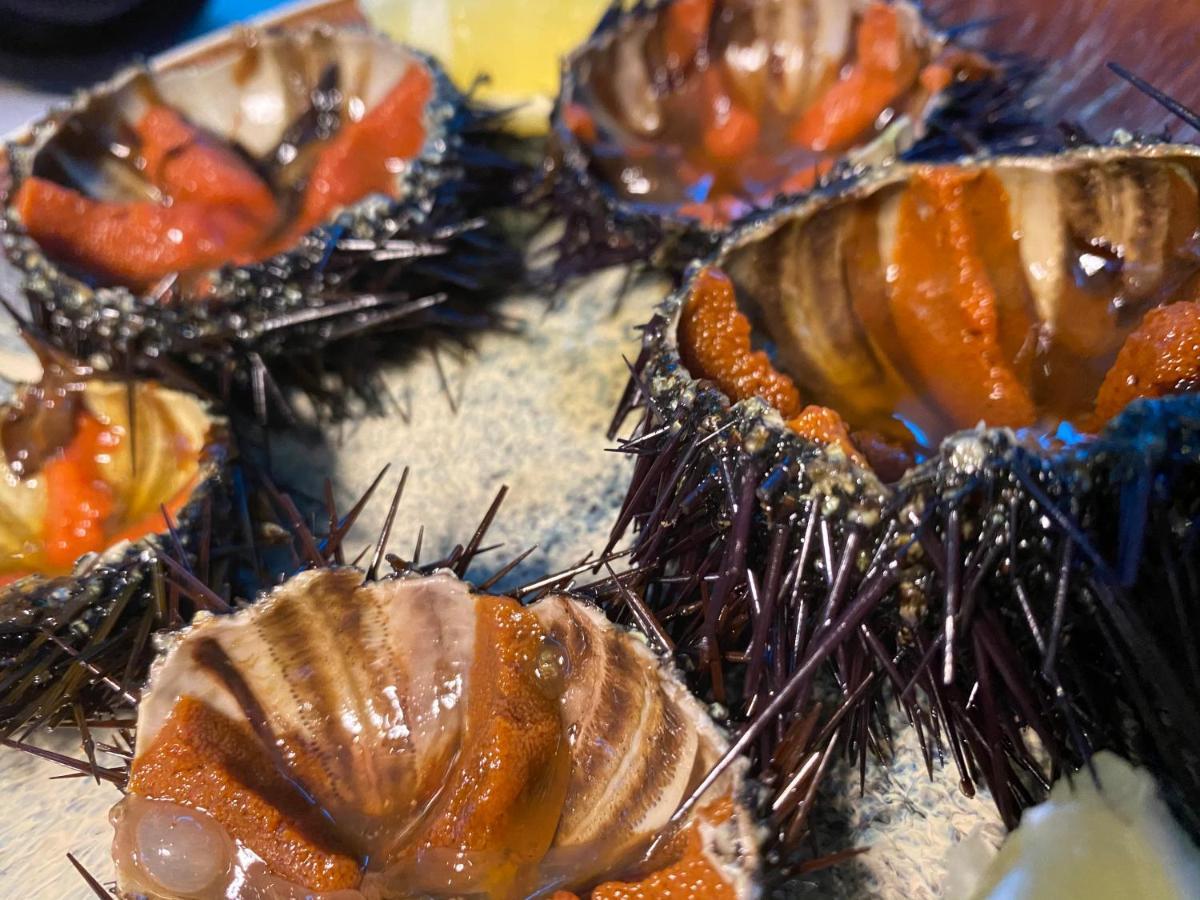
(517, 44)
(1114, 842)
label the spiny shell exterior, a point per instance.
(1045, 568)
(372, 683)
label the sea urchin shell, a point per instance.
(409, 736)
(285, 190)
(98, 473)
(1003, 582)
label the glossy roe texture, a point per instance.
(713, 109)
(216, 208)
(412, 738)
(1161, 357)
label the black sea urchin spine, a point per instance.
(1023, 609)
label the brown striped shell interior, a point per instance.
(410, 735)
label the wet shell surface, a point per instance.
(409, 737)
(1065, 262)
(991, 563)
(289, 171)
(91, 466)
(680, 117)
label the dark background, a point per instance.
(54, 46)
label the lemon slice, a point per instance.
(518, 44)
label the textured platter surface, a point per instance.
(530, 411)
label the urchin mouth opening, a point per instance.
(687, 109)
(1041, 297)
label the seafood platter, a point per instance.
(699, 449)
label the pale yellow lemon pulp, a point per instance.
(518, 44)
(1114, 842)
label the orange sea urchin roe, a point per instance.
(219, 210)
(484, 827)
(714, 341)
(886, 67)
(216, 208)
(497, 814)
(1161, 357)
(134, 244)
(361, 158)
(78, 501)
(690, 876)
(825, 426)
(190, 167)
(945, 305)
(204, 759)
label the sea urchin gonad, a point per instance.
(408, 736)
(285, 189)
(809, 468)
(98, 471)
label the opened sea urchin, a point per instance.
(810, 477)
(99, 474)
(678, 118)
(247, 208)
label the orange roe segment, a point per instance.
(686, 30)
(135, 244)
(691, 876)
(189, 167)
(203, 759)
(362, 157)
(825, 426)
(78, 501)
(732, 130)
(714, 342)
(885, 67)
(498, 813)
(944, 305)
(580, 122)
(1161, 357)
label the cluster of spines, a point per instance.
(1053, 596)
